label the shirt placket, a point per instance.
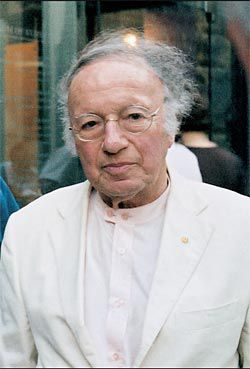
(120, 292)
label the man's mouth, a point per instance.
(118, 168)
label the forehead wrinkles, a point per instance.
(105, 74)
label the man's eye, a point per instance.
(89, 125)
(136, 116)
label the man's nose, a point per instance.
(114, 137)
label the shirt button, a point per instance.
(115, 356)
(121, 251)
(118, 303)
(125, 216)
(110, 213)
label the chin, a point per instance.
(122, 189)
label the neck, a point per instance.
(196, 139)
(138, 199)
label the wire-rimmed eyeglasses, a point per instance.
(133, 119)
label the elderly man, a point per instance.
(137, 267)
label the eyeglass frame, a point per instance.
(151, 117)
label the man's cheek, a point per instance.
(90, 168)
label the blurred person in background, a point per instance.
(182, 160)
(218, 166)
(8, 205)
(21, 175)
(137, 266)
(237, 18)
(60, 170)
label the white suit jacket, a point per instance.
(198, 311)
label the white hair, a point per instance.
(170, 64)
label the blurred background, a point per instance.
(39, 39)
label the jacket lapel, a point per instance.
(184, 240)
(68, 238)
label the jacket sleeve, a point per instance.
(17, 348)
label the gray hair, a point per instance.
(170, 64)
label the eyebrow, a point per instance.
(100, 115)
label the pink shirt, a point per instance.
(121, 257)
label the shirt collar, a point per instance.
(140, 214)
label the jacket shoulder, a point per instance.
(226, 206)
(216, 198)
(225, 196)
(46, 205)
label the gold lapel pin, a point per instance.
(184, 239)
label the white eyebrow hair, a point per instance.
(100, 116)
